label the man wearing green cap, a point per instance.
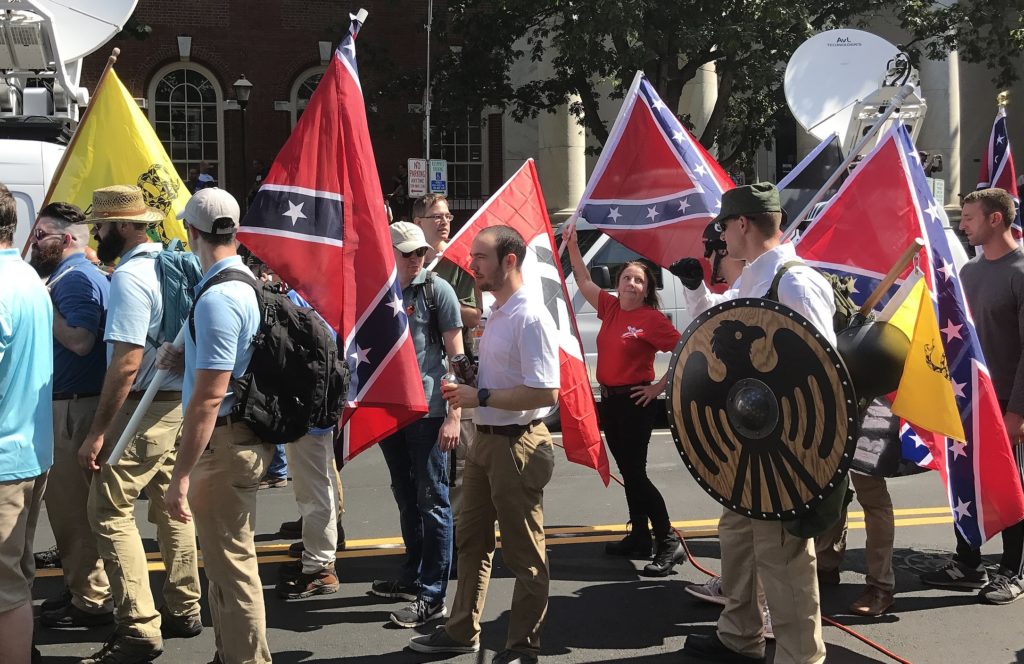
(750, 222)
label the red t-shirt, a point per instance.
(628, 340)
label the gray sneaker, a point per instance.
(419, 613)
(394, 590)
(1004, 588)
(956, 576)
(438, 641)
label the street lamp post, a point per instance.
(243, 89)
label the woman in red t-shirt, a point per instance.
(632, 331)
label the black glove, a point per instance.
(689, 271)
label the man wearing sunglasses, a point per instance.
(417, 455)
(79, 293)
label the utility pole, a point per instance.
(426, 92)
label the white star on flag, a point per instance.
(946, 270)
(959, 449)
(961, 510)
(913, 156)
(718, 204)
(350, 46)
(933, 212)
(683, 204)
(917, 440)
(614, 214)
(294, 212)
(395, 304)
(677, 136)
(700, 170)
(1000, 140)
(657, 104)
(360, 355)
(958, 389)
(952, 331)
(652, 212)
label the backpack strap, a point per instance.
(433, 326)
(223, 277)
(773, 291)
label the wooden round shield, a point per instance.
(762, 409)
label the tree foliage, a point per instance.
(584, 49)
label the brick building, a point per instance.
(180, 60)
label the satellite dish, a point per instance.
(83, 26)
(829, 73)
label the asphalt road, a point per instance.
(600, 609)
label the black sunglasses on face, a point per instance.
(420, 253)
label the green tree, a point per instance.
(596, 45)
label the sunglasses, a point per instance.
(420, 253)
(720, 226)
(39, 234)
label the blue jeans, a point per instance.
(278, 467)
(419, 480)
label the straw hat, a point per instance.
(121, 203)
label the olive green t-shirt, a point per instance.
(463, 284)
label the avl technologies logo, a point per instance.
(841, 42)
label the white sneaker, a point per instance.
(768, 633)
(1004, 588)
(709, 592)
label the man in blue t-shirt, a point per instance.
(26, 430)
(417, 455)
(79, 292)
(221, 460)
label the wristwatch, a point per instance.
(482, 395)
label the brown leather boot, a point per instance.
(874, 602)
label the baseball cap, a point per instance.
(407, 237)
(212, 210)
(750, 199)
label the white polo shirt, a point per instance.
(519, 347)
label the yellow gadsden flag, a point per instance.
(925, 395)
(115, 144)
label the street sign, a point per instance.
(439, 177)
(418, 177)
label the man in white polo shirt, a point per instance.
(510, 461)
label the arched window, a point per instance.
(186, 108)
(302, 90)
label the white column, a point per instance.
(940, 133)
(699, 96)
(561, 161)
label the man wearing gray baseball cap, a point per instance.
(220, 460)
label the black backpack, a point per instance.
(426, 287)
(842, 289)
(296, 380)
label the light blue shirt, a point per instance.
(227, 318)
(135, 312)
(430, 356)
(26, 371)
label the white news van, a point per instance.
(26, 168)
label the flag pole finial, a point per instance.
(1003, 98)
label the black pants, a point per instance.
(1013, 537)
(627, 428)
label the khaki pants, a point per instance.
(19, 512)
(146, 464)
(504, 479)
(222, 497)
(873, 496)
(67, 506)
(315, 480)
(467, 431)
(785, 564)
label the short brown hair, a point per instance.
(424, 203)
(8, 215)
(766, 223)
(651, 298)
(994, 200)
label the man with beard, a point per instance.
(431, 214)
(79, 293)
(511, 459)
(133, 334)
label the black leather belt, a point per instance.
(618, 390)
(70, 396)
(506, 429)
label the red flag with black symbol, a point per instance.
(318, 220)
(520, 204)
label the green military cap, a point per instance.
(750, 199)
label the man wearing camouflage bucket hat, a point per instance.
(133, 334)
(750, 221)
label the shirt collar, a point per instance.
(764, 267)
(513, 303)
(219, 266)
(145, 247)
(10, 254)
(68, 263)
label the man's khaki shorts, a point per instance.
(19, 511)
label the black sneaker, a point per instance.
(956, 576)
(420, 612)
(184, 627)
(513, 657)
(636, 544)
(394, 590)
(708, 648)
(72, 616)
(48, 558)
(291, 529)
(56, 603)
(121, 649)
(305, 585)
(670, 553)
(438, 641)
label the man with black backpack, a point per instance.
(138, 308)
(221, 459)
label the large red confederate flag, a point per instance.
(319, 222)
(520, 204)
